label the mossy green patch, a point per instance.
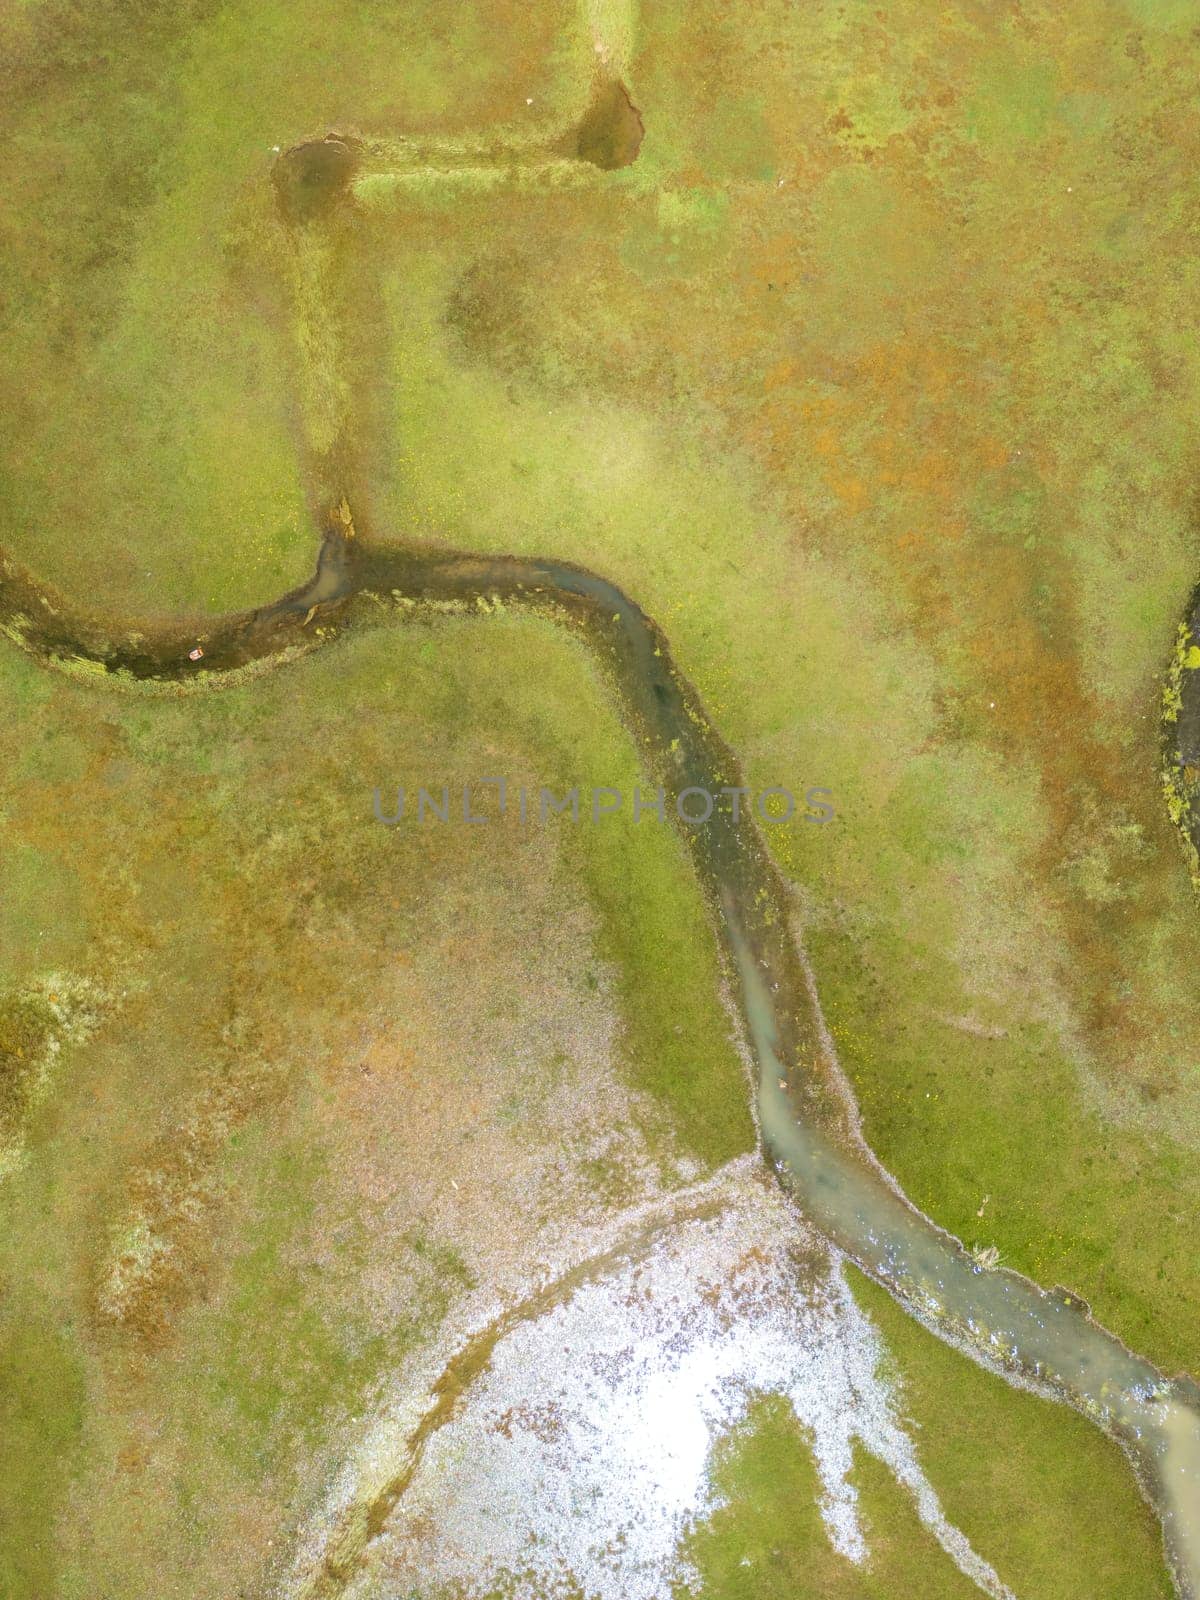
(1013, 102)
(40, 912)
(1009, 1155)
(26, 1027)
(290, 1354)
(767, 1540)
(1040, 1493)
(36, 1361)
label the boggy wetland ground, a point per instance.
(872, 379)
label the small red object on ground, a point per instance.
(194, 655)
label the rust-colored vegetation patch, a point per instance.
(160, 1250)
(35, 1023)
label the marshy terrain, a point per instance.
(866, 380)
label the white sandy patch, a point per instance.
(581, 1455)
